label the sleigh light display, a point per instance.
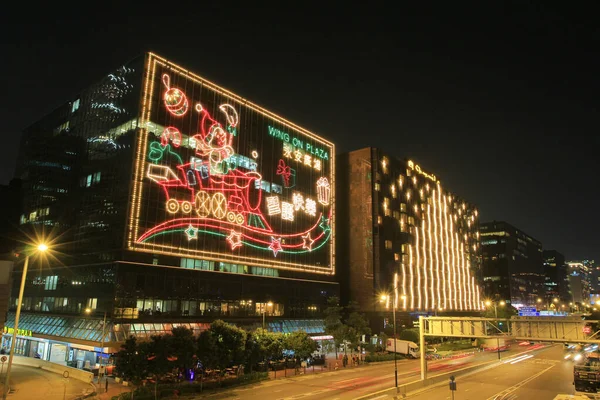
(213, 197)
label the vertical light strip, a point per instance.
(404, 282)
(396, 290)
(412, 295)
(133, 216)
(454, 262)
(470, 288)
(477, 294)
(433, 305)
(447, 244)
(437, 260)
(458, 263)
(466, 282)
(404, 276)
(423, 239)
(461, 278)
(441, 248)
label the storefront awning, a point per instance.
(310, 326)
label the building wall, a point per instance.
(77, 167)
(6, 268)
(424, 239)
(512, 264)
(556, 277)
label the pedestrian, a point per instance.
(345, 360)
(106, 386)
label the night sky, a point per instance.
(500, 102)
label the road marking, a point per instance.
(277, 391)
(379, 397)
(504, 393)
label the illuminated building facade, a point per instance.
(556, 277)
(399, 228)
(580, 277)
(512, 264)
(177, 202)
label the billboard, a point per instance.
(219, 178)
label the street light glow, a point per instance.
(502, 303)
(88, 310)
(488, 303)
(270, 304)
(42, 247)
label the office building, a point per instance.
(556, 278)
(512, 265)
(171, 201)
(398, 227)
(580, 278)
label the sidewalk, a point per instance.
(114, 389)
(313, 369)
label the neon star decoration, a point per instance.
(308, 242)
(275, 246)
(203, 189)
(234, 240)
(191, 232)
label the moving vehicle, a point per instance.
(586, 376)
(403, 347)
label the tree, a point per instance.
(504, 311)
(411, 334)
(131, 363)
(182, 348)
(262, 345)
(222, 345)
(158, 355)
(333, 321)
(301, 344)
(357, 323)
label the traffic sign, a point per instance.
(528, 312)
(3, 359)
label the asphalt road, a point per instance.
(541, 377)
(33, 383)
(351, 383)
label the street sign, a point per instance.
(452, 385)
(3, 359)
(528, 312)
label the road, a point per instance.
(541, 376)
(34, 383)
(350, 383)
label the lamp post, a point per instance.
(489, 303)
(88, 311)
(269, 304)
(41, 248)
(385, 297)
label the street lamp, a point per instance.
(89, 311)
(269, 304)
(41, 248)
(502, 303)
(385, 298)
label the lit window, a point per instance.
(379, 219)
(403, 207)
(377, 187)
(75, 106)
(396, 257)
(388, 244)
(51, 282)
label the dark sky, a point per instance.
(499, 101)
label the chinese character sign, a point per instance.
(217, 177)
